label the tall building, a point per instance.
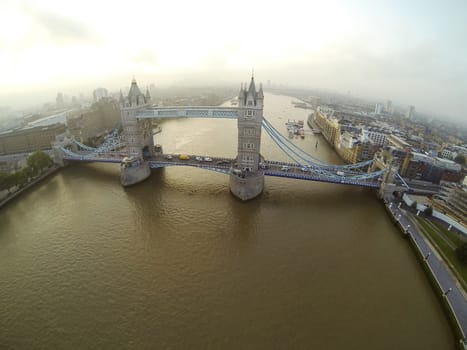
(410, 112)
(389, 107)
(378, 108)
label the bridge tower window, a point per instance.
(249, 131)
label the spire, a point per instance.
(134, 90)
(122, 100)
(252, 88)
(148, 96)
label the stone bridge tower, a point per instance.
(247, 178)
(138, 136)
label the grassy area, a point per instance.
(448, 254)
(453, 237)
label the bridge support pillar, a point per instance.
(248, 187)
(134, 174)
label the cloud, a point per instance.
(59, 28)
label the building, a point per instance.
(29, 139)
(102, 117)
(99, 93)
(376, 135)
(452, 201)
(410, 112)
(389, 107)
(419, 166)
(328, 124)
(379, 108)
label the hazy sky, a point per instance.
(413, 52)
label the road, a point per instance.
(451, 291)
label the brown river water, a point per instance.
(177, 262)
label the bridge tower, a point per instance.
(137, 134)
(247, 178)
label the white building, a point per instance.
(410, 112)
(379, 108)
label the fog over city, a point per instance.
(410, 52)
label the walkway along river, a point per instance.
(177, 262)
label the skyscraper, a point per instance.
(410, 112)
(389, 107)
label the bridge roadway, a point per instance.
(223, 165)
(270, 168)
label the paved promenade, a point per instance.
(449, 290)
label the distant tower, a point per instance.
(378, 108)
(410, 112)
(248, 181)
(389, 107)
(138, 135)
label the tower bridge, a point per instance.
(246, 172)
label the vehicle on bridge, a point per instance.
(183, 157)
(168, 157)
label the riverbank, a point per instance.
(446, 289)
(52, 170)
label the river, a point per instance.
(177, 262)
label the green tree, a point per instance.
(460, 159)
(38, 161)
(461, 253)
(3, 177)
(414, 205)
(428, 211)
(23, 176)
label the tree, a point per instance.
(460, 159)
(3, 177)
(414, 205)
(461, 253)
(428, 211)
(22, 176)
(38, 161)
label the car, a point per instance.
(263, 165)
(285, 168)
(305, 169)
(199, 159)
(168, 157)
(207, 159)
(340, 173)
(183, 157)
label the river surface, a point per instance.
(177, 262)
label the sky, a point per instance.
(411, 52)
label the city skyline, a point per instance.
(412, 54)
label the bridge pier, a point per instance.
(132, 175)
(248, 187)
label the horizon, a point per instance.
(411, 54)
